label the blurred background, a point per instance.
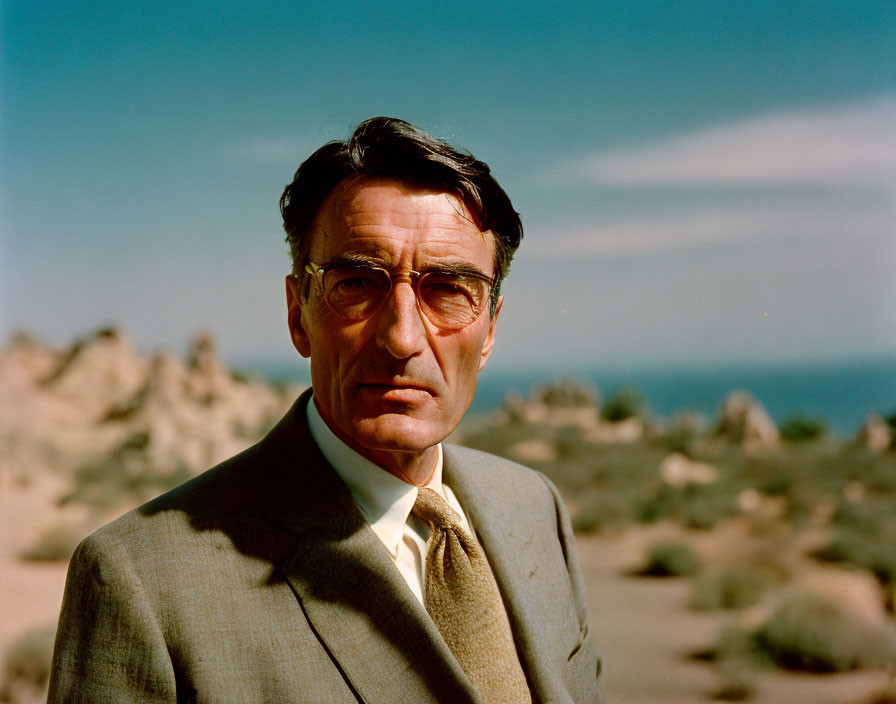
(698, 342)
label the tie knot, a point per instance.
(433, 509)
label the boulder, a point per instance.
(875, 434)
(678, 471)
(744, 421)
(565, 403)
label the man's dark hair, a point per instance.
(391, 148)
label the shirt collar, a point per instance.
(384, 499)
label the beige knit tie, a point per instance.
(462, 597)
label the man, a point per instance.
(350, 556)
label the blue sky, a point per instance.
(699, 181)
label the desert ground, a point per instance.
(646, 632)
(736, 561)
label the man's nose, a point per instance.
(400, 328)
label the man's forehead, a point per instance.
(367, 198)
(377, 215)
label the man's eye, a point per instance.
(451, 288)
(445, 287)
(355, 283)
(348, 287)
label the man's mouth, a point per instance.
(396, 391)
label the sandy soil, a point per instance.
(647, 634)
(647, 637)
(30, 592)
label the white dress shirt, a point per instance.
(385, 500)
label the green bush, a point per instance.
(738, 662)
(126, 476)
(687, 425)
(863, 536)
(599, 512)
(811, 632)
(890, 418)
(874, 553)
(730, 588)
(671, 559)
(779, 484)
(737, 644)
(801, 428)
(694, 505)
(625, 403)
(707, 507)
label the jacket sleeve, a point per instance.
(584, 666)
(110, 645)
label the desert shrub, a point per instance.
(497, 437)
(874, 553)
(705, 508)
(736, 643)
(863, 536)
(659, 504)
(738, 661)
(682, 432)
(27, 659)
(625, 403)
(730, 588)
(877, 471)
(890, 418)
(130, 478)
(778, 483)
(243, 376)
(810, 632)
(566, 393)
(866, 517)
(680, 440)
(694, 505)
(801, 428)
(55, 543)
(600, 511)
(671, 559)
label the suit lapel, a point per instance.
(507, 543)
(366, 616)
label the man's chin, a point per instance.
(395, 432)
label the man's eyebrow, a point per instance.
(356, 260)
(457, 269)
(351, 259)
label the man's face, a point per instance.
(395, 382)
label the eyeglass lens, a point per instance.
(448, 300)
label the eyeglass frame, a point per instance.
(317, 271)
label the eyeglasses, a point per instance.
(450, 300)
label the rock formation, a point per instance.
(875, 434)
(563, 403)
(100, 402)
(744, 421)
(678, 470)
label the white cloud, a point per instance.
(811, 220)
(849, 151)
(837, 145)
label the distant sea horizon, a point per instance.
(842, 393)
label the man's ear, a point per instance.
(294, 317)
(490, 338)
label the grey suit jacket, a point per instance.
(260, 580)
